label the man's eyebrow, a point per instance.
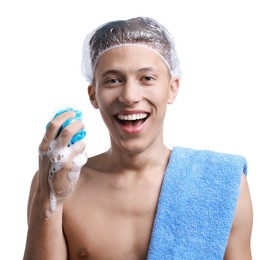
(149, 69)
(119, 72)
(110, 71)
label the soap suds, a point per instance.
(60, 186)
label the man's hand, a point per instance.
(62, 154)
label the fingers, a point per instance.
(78, 147)
(71, 133)
(62, 154)
(77, 137)
(78, 116)
(66, 126)
(64, 130)
(52, 129)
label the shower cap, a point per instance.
(139, 31)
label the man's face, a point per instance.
(132, 89)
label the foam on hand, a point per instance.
(62, 184)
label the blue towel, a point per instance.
(196, 206)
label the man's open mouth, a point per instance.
(132, 119)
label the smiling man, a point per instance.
(139, 199)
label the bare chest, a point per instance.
(115, 225)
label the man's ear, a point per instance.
(92, 96)
(174, 86)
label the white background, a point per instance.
(226, 101)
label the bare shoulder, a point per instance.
(97, 162)
(238, 246)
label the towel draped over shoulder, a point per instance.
(196, 206)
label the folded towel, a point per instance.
(196, 206)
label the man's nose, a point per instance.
(131, 92)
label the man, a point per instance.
(139, 199)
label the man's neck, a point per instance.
(152, 157)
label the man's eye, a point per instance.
(148, 78)
(112, 81)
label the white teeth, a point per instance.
(133, 116)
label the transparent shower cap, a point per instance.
(140, 31)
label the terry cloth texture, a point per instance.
(196, 206)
